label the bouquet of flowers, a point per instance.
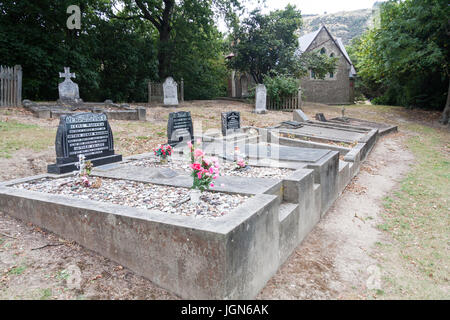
(240, 159)
(85, 168)
(163, 151)
(204, 170)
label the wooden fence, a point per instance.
(156, 93)
(286, 103)
(10, 86)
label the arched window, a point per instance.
(332, 55)
(313, 74)
(323, 51)
(331, 75)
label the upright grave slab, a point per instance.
(180, 128)
(68, 90)
(231, 122)
(170, 92)
(87, 134)
(261, 99)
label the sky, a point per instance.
(306, 6)
(315, 6)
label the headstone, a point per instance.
(320, 117)
(88, 134)
(261, 99)
(300, 116)
(180, 128)
(231, 122)
(170, 92)
(68, 90)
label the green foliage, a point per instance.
(265, 47)
(281, 86)
(115, 55)
(266, 43)
(404, 59)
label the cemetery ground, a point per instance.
(386, 237)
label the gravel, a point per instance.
(172, 200)
(226, 168)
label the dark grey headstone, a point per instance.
(231, 121)
(180, 128)
(320, 117)
(87, 134)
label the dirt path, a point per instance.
(334, 261)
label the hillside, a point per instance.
(345, 24)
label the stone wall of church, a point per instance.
(335, 90)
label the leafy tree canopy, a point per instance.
(265, 45)
(403, 60)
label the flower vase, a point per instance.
(163, 160)
(195, 196)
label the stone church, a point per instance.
(335, 88)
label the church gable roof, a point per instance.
(305, 41)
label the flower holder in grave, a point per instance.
(87, 134)
(180, 128)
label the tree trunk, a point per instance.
(446, 114)
(164, 52)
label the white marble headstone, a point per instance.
(170, 92)
(261, 99)
(68, 90)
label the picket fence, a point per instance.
(10, 86)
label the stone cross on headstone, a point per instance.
(67, 75)
(68, 90)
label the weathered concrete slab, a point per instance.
(383, 128)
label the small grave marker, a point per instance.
(320, 117)
(68, 90)
(261, 99)
(170, 92)
(87, 134)
(180, 128)
(231, 121)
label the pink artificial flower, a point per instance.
(198, 153)
(199, 175)
(196, 166)
(212, 185)
(189, 144)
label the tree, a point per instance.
(407, 54)
(163, 15)
(265, 45)
(111, 59)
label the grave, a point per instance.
(68, 90)
(260, 99)
(180, 128)
(383, 128)
(231, 122)
(70, 103)
(300, 116)
(87, 134)
(170, 92)
(151, 229)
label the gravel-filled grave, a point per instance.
(172, 200)
(226, 168)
